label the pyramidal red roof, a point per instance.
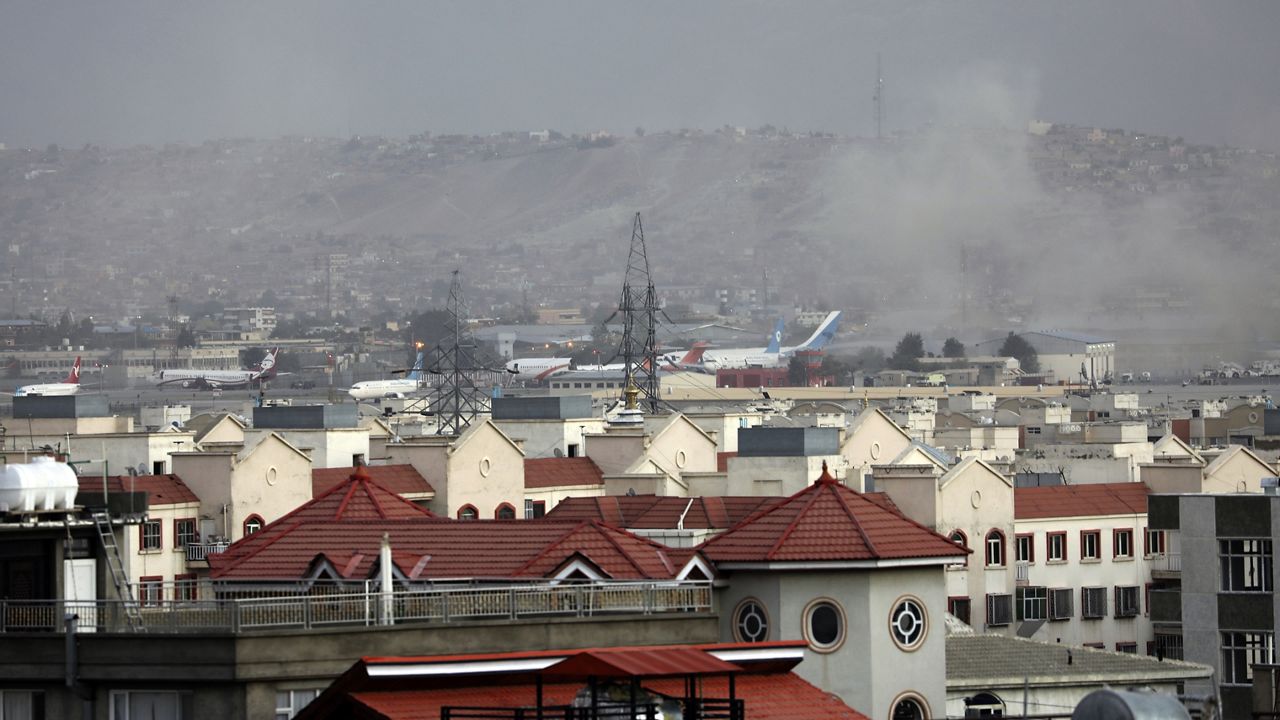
(828, 522)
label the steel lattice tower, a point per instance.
(458, 399)
(639, 310)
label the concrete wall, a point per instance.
(779, 476)
(541, 438)
(484, 470)
(328, 448)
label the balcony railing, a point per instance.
(1167, 562)
(197, 552)
(1022, 571)
(370, 607)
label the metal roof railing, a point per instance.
(510, 602)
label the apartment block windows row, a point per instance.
(1245, 565)
(1241, 651)
(1056, 551)
(1041, 603)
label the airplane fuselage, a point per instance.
(47, 389)
(374, 389)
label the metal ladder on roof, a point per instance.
(102, 521)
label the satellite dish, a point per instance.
(558, 452)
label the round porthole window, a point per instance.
(750, 621)
(908, 623)
(824, 625)
(486, 465)
(909, 706)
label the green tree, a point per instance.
(907, 354)
(186, 338)
(1015, 346)
(952, 348)
(797, 372)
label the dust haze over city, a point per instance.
(1060, 165)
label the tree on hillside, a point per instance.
(1015, 346)
(907, 354)
(952, 348)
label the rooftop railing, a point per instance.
(510, 602)
(199, 551)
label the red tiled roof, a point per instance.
(558, 471)
(1053, 501)
(827, 522)
(161, 489)
(775, 696)
(766, 684)
(440, 548)
(722, 460)
(399, 479)
(650, 512)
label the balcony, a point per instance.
(321, 609)
(1166, 565)
(198, 553)
(1022, 572)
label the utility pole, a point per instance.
(639, 309)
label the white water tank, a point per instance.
(42, 484)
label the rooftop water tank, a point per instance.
(1108, 704)
(42, 484)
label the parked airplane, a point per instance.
(774, 355)
(670, 362)
(536, 369)
(222, 379)
(398, 388)
(70, 386)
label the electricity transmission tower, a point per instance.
(639, 308)
(458, 399)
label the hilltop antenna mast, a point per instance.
(879, 100)
(639, 309)
(458, 400)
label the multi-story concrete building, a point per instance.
(1214, 599)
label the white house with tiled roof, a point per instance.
(1084, 557)
(477, 474)
(862, 584)
(244, 487)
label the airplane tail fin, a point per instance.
(694, 356)
(415, 372)
(824, 333)
(74, 377)
(267, 368)
(775, 340)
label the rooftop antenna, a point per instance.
(458, 401)
(639, 309)
(879, 100)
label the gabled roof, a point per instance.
(963, 466)
(244, 452)
(1088, 500)
(1233, 450)
(161, 489)
(399, 479)
(827, 522)
(652, 512)
(562, 471)
(204, 423)
(864, 418)
(929, 453)
(1172, 446)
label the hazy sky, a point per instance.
(126, 72)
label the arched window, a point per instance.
(252, 524)
(983, 704)
(505, 511)
(995, 549)
(468, 512)
(958, 537)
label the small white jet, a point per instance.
(70, 386)
(397, 388)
